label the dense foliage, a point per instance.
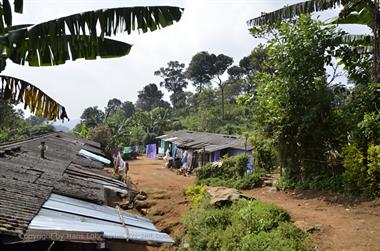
(245, 225)
(231, 172)
(13, 126)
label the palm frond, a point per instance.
(16, 91)
(294, 10)
(57, 50)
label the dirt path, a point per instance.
(165, 192)
(342, 226)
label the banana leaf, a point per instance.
(17, 91)
(83, 35)
(293, 10)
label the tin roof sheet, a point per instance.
(61, 213)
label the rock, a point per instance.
(223, 195)
(143, 204)
(141, 196)
(143, 211)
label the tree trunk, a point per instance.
(376, 44)
(222, 92)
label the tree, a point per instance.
(129, 109)
(149, 98)
(198, 69)
(92, 116)
(255, 63)
(205, 67)
(112, 106)
(364, 12)
(293, 105)
(174, 80)
(70, 38)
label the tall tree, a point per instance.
(205, 66)
(253, 64)
(112, 106)
(150, 97)
(70, 38)
(174, 80)
(363, 12)
(128, 108)
(92, 116)
(198, 69)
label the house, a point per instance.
(203, 147)
(63, 201)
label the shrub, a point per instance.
(362, 172)
(245, 225)
(323, 183)
(286, 237)
(373, 172)
(231, 173)
(197, 194)
(249, 181)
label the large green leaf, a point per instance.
(57, 50)
(18, 5)
(356, 12)
(82, 35)
(16, 90)
(295, 10)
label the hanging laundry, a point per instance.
(151, 150)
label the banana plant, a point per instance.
(363, 12)
(79, 36)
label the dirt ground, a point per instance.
(165, 192)
(341, 224)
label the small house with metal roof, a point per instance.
(61, 199)
(203, 146)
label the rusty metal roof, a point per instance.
(27, 180)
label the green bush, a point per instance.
(249, 181)
(362, 171)
(231, 173)
(197, 194)
(373, 172)
(286, 237)
(323, 183)
(231, 167)
(245, 225)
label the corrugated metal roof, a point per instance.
(60, 213)
(211, 141)
(26, 179)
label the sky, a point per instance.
(216, 26)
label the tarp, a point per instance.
(92, 156)
(128, 149)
